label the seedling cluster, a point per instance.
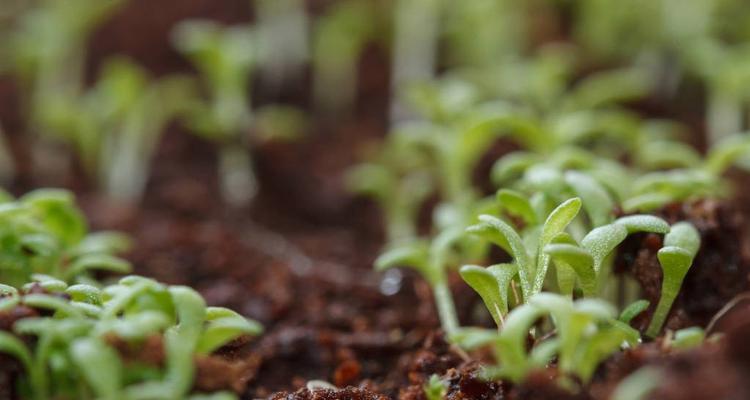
(69, 331)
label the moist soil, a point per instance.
(299, 260)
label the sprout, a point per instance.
(688, 338)
(588, 259)
(586, 333)
(226, 58)
(415, 45)
(431, 262)
(339, 37)
(435, 388)
(283, 45)
(528, 255)
(45, 233)
(73, 353)
(676, 257)
(396, 179)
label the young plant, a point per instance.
(76, 353)
(431, 261)
(116, 125)
(435, 388)
(44, 232)
(282, 27)
(339, 38)
(676, 257)
(226, 57)
(530, 261)
(415, 41)
(48, 53)
(585, 333)
(586, 265)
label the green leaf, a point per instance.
(647, 202)
(602, 240)
(723, 154)
(103, 242)
(412, 255)
(500, 233)
(685, 236)
(102, 262)
(555, 224)
(580, 260)
(511, 345)
(643, 223)
(473, 338)
(53, 303)
(56, 210)
(16, 348)
(516, 204)
(492, 286)
(680, 246)
(633, 310)
(597, 202)
(688, 338)
(511, 166)
(224, 325)
(435, 388)
(85, 293)
(100, 366)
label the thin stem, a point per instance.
(446, 307)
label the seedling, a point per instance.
(115, 126)
(416, 32)
(44, 232)
(435, 388)
(74, 355)
(676, 257)
(226, 58)
(586, 333)
(431, 261)
(339, 37)
(48, 53)
(282, 27)
(537, 247)
(527, 253)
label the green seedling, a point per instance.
(226, 57)
(44, 232)
(676, 257)
(431, 261)
(416, 26)
(527, 252)
(339, 38)
(283, 49)
(115, 126)
(74, 356)
(586, 333)
(435, 388)
(397, 180)
(47, 52)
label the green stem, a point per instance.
(445, 306)
(660, 315)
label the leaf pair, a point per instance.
(530, 261)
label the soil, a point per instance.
(299, 260)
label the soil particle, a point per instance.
(348, 393)
(150, 351)
(216, 373)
